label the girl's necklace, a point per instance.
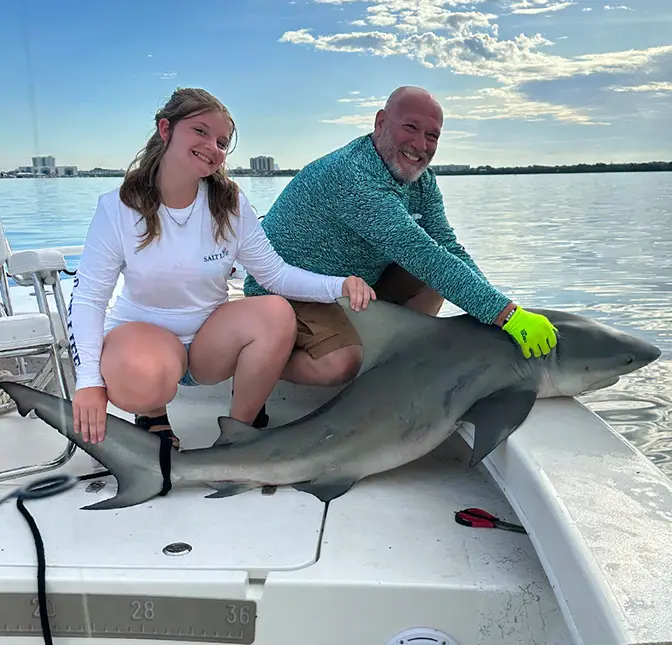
(181, 224)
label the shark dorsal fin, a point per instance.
(233, 431)
(383, 326)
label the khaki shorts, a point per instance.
(324, 327)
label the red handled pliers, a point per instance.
(478, 518)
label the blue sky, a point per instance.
(521, 81)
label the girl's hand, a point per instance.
(89, 409)
(359, 292)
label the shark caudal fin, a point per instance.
(129, 453)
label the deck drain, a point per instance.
(421, 636)
(177, 548)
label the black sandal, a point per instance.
(147, 423)
(262, 419)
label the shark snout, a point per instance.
(646, 353)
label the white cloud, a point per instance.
(457, 134)
(485, 105)
(481, 54)
(358, 120)
(467, 42)
(476, 54)
(365, 122)
(621, 7)
(509, 103)
(398, 5)
(538, 6)
(656, 86)
(368, 102)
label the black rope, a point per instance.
(41, 571)
(40, 489)
(48, 486)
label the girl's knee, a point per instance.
(148, 368)
(280, 317)
(140, 373)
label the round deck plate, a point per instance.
(422, 636)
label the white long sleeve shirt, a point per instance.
(176, 281)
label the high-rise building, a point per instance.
(44, 165)
(262, 163)
(44, 162)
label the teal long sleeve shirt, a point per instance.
(345, 214)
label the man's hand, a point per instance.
(358, 291)
(533, 332)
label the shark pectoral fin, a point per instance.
(229, 489)
(325, 491)
(496, 416)
(234, 431)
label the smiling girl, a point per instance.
(174, 229)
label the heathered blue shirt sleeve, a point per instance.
(434, 221)
(376, 214)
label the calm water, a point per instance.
(599, 245)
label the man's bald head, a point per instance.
(409, 97)
(407, 132)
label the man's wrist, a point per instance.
(505, 314)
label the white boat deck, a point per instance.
(390, 550)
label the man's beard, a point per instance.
(388, 151)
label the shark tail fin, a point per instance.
(138, 479)
(131, 490)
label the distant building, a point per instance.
(262, 163)
(46, 166)
(44, 162)
(67, 171)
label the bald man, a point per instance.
(372, 208)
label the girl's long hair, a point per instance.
(140, 190)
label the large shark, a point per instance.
(422, 376)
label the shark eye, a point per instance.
(629, 359)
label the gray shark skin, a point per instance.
(422, 376)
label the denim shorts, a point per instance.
(187, 379)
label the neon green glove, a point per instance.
(533, 332)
